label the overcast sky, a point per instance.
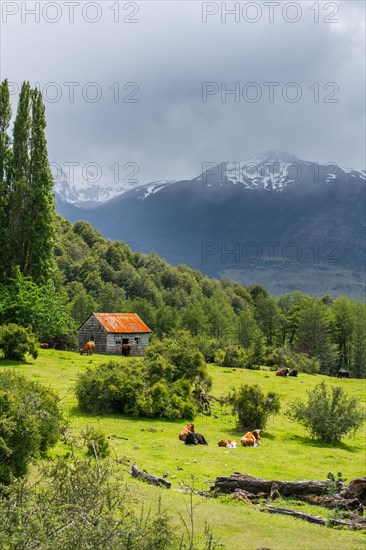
(168, 53)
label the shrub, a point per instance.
(219, 357)
(309, 365)
(80, 504)
(234, 357)
(140, 388)
(329, 413)
(253, 407)
(16, 342)
(31, 423)
(279, 358)
(96, 442)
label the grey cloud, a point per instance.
(169, 53)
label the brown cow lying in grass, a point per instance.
(251, 439)
(282, 372)
(44, 346)
(183, 434)
(228, 443)
(88, 348)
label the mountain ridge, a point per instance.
(321, 213)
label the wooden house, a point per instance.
(110, 331)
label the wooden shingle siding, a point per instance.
(92, 330)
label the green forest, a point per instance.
(58, 488)
(54, 274)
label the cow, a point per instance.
(251, 439)
(88, 348)
(343, 374)
(193, 438)
(44, 346)
(126, 349)
(228, 443)
(293, 372)
(282, 372)
(182, 434)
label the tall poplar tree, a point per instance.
(39, 252)
(18, 202)
(5, 163)
(30, 202)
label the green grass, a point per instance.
(286, 453)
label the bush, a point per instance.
(304, 363)
(140, 388)
(329, 413)
(253, 407)
(279, 358)
(96, 442)
(234, 357)
(31, 423)
(16, 342)
(80, 504)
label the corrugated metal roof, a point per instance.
(121, 322)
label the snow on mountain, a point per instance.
(88, 194)
(151, 188)
(274, 171)
(271, 171)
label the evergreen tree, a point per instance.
(267, 316)
(359, 341)
(30, 203)
(18, 199)
(5, 156)
(344, 320)
(39, 251)
(314, 335)
(247, 328)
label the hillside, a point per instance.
(95, 274)
(285, 453)
(276, 220)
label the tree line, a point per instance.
(53, 274)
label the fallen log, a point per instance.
(355, 517)
(255, 485)
(318, 520)
(149, 478)
(246, 496)
(333, 502)
(355, 489)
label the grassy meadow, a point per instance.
(286, 453)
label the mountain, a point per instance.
(89, 194)
(276, 220)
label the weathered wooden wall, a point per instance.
(114, 343)
(93, 330)
(110, 343)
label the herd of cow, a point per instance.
(89, 348)
(294, 372)
(191, 437)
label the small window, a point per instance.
(91, 339)
(118, 341)
(137, 340)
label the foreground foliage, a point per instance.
(30, 423)
(81, 504)
(329, 413)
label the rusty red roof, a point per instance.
(121, 322)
